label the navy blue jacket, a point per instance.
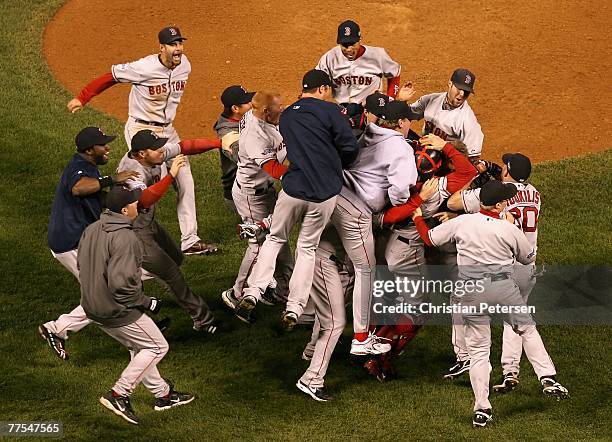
(319, 144)
(70, 214)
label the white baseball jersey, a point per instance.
(450, 124)
(524, 206)
(259, 142)
(358, 78)
(147, 177)
(156, 90)
(485, 244)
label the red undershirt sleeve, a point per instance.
(199, 145)
(464, 170)
(423, 230)
(275, 169)
(152, 194)
(393, 85)
(96, 87)
(403, 211)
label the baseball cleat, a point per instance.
(172, 399)
(388, 370)
(458, 369)
(120, 405)
(248, 230)
(307, 355)
(57, 344)
(372, 365)
(268, 297)
(201, 248)
(481, 417)
(373, 345)
(552, 388)
(288, 320)
(509, 382)
(229, 298)
(244, 309)
(215, 327)
(318, 394)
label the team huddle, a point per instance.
(364, 188)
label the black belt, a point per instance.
(404, 240)
(260, 191)
(494, 277)
(151, 123)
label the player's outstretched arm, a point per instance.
(92, 89)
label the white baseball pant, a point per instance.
(354, 227)
(478, 337)
(252, 206)
(288, 211)
(147, 347)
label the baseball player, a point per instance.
(260, 156)
(448, 114)
(487, 248)
(161, 256)
(236, 102)
(77, 204)
(356, 69)
(327, 294)
(109, 258)
(319, 143)
(525, 209)
(383, 173)
(404, 250)
(158, 82)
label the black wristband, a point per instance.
(105, 181)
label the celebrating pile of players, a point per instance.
(344, 166)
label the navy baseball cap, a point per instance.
(169, 35)
(119, 197)
(495, 191)
(398, 110)
(464, 79)
(146, 139)
(376, 102)
(316, 78)
(235, 95)
(348, 32)
(90, 137)
(519, 166)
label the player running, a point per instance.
(158, 82)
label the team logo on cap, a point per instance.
(347, 31)
(381, 102)
(153, 134)
(468, 79)
(173, 31)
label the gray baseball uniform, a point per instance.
(327, 295)
(254, 195)
(356, 79)
(154, 97)
(383, 173)
(450, 124)
(487, 248)
(525, 207)
(161, 255)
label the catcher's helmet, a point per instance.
(427, 162)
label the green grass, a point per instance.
(244, 380)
